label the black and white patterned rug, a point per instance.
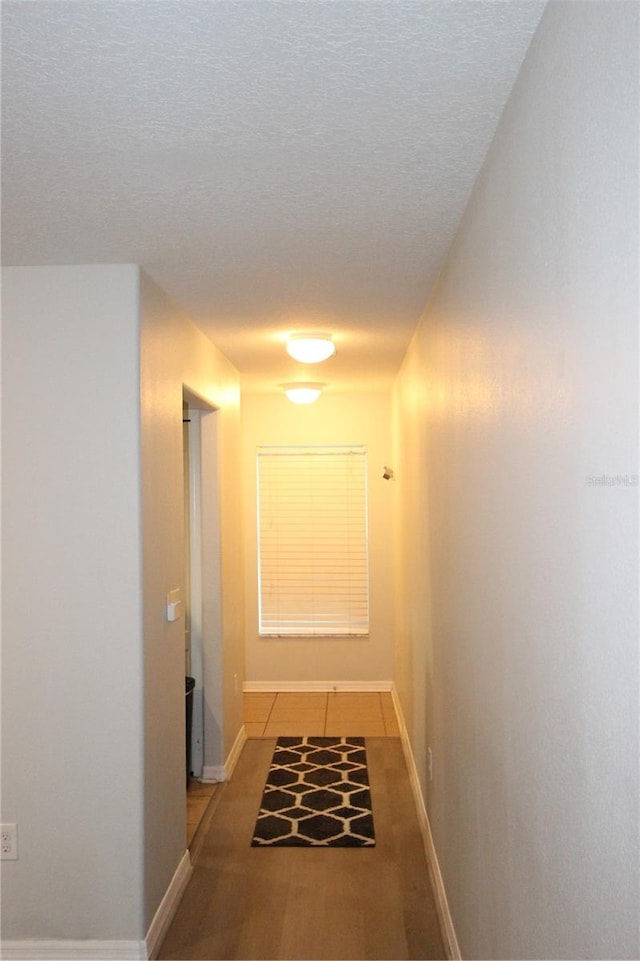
(317, 795)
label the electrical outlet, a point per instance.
(9, 842)
(430, 763)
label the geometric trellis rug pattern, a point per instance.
(316, 795)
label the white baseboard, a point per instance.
(277, 687)
(68, 950)
(222, 772)
(92, 950)
(234, 753)
(168, 906)
(451, 945)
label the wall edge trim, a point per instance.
(168, 907)
(452, 948)
(301, 687)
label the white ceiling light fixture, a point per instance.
(310, 348)
(302, 393)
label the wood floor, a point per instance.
(296, 903)
(273, 714)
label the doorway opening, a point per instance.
(203, 606)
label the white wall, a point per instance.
(334, 419)
(174, 353)
(71, 607)
(95, 359)
(520, 386)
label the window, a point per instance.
(312, 541)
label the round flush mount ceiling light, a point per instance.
(300, 393)
(310, 348)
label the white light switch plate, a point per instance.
(174, 605)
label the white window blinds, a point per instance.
(312, 541)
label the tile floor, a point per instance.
(331, 714)
(288, 714)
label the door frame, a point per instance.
(205, 600)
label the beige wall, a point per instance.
(270, 419)
(517, 657)
(175, 354)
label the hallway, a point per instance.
(445, 194)
(321, 903)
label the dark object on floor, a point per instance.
(316, 795)
(189, 684)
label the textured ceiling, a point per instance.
(273, 164)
